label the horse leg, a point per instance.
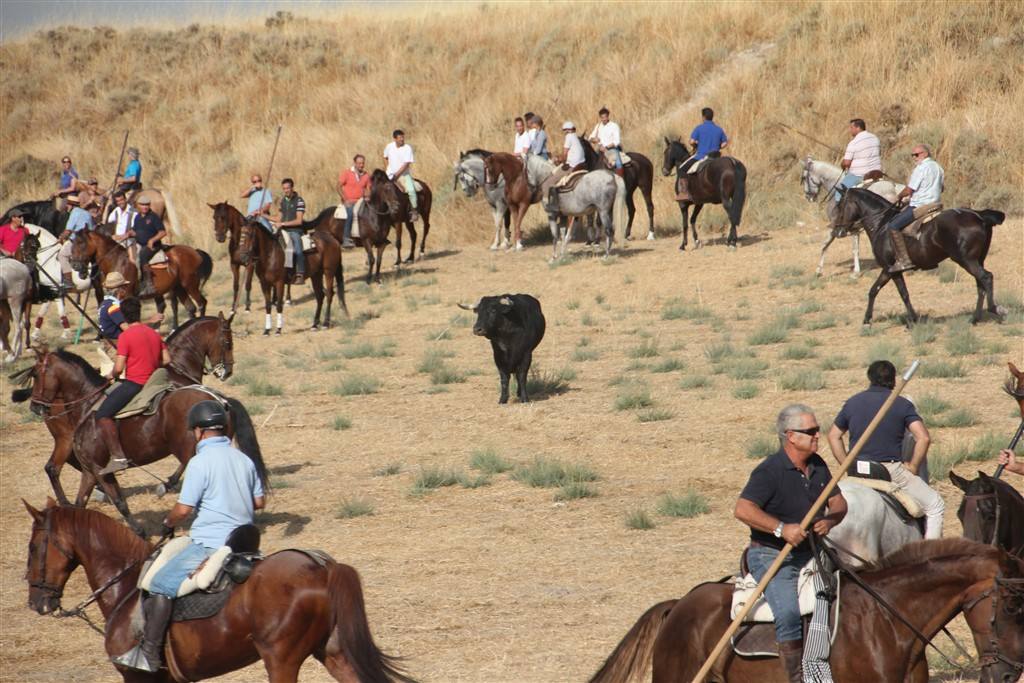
(829, 238)
(649, 201)
(36, 333)
(61, 452)
(161, 305)
(279, 294)
(288, 294)
(901, 286)
(855, 241)
(631, 211)
(86, 483)
(425, 215)
(248, 288)
(318, 291)
(553, 225)
(693, 225)
(881, 281)
(281, 667)
(116, 497)
(369, 261)
(186, 301)
(337, 666)
(380, 260)
(398, 245)
(985, 282)
(234, 285)
(684, 209)
(172, 482)
(411, 227)
(268, 301)
(329, 287)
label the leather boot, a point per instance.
(148, 654)
(146, 287)
(903, 261)
(683, 190)
(67, 283)
(792, 654)
(112, 440)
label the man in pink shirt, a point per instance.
(353, 185)
(12, 234)
(863, 158)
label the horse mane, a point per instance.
(865, 193)
(316, 221)
(379, 176)
(189, 324)
(916, 553)
(117, 537)
(91, 373)
(24, 206)
(475, 152)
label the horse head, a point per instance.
(469, 183)
(1015, 387)
(1003, 659)
(50, 563)
(83, 252)
(675, 154)
(221, 220)
(221, 352)
(811, 183)
(30, 248)
(384, 194)
(977, 511)
(492, 170)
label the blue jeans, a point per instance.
(781, 591)
(350, 214)
(299, 259)
(168, 580)
(618, 156)
(902, 219)
(849, 180)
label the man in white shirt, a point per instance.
(123, 216)
(608, 137)
(521, 145)
(573, 157)
(924, 187)
(863, 158)
(399, 158)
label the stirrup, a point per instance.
(136, 659)
(116, 465)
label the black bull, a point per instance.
(515, 326)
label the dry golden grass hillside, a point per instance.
(202, 102)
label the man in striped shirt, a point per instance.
(863, 155)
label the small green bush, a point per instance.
(835, 363)
(694, 382)
(575, 490)
(668, 365)
(389, 470)
(688, 505)
(259, 387)
(433, 477)
(719, 351)
(446, 375)
(761, 447)
(962, 341)
(807, 380)
(961, 417)
(747, 368)
(357, 385)
(468, 482)
(796, 352)
(633, 396)
(773, 332)
(433, 359)
(941, 369)
(924, 332)
(825, 322)
(884, 349)
(746, 391)
(489, 461)
(369, 350)
(655, 415)
(639, 519)
(930, 405)
(341, 423)
(354, 507)
(545, 472)
(647, 349)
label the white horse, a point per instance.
(15, 304)
(819, 175)
(598, 192)
(870, 530)
(50, 277)
(469, 173)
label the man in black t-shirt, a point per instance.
(293, 212)
(780, 492)
(147, 230)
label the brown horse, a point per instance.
(518, 194)
(291, 606)
(719, 181)
(258, 247)
(963, 235)
(227, 225)
(187, 270)
(64, 384)
(196, 345)
(929, 583)
(386, 196)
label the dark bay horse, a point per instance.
(963, 235)
(719, 181)
(187, 270)
(258, 247)
(507, 169)
(42, 213)
(291, 606)
(227, 225)
(929, 583)
(64, 384)
(639, 173)
(200, 344)
(396, 200)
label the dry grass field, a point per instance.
(660, 373)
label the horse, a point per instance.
(871, 529)
(400, 211)
(601, 192)
(40, 212)
(991, 512)
(928, 583)
(816, 175)
(508, 169)
(187, 269)
(227, 225)
(374, 221)
(50, 279)
(292, 606)
(64, 384)
(15, 306)
(257, 247)
(721, 180)
(963, 235)
(639, 173)
(469, 172)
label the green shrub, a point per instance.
(433, 359)
(746, 391)
(389, 470)
(581, 355)
(655, 415)
(639, 519)
(575, 490)
(961, 417)
(633, 396)
(260, 387)
(545, 472)
(807, 380)
(668, 365)
(341, 423)
(825, 322)
(796, 352)
(694, 382)
(433, 477)
(941, 369)
(835, 363)
(648, 349)
(961, 341)
(772, 332)
(924, 333)
(747, 368)
(446, 375)
(368, 350)
(761, 447)
(719, 351)
(930, 405)
(690, 504)
(468, 482)
(489, 461)
(354, 507)
(677, 309)
(884, 349)
(357, 385)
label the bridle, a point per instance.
(49, 403)
(51, 590)
(993, 655)
(469, 181)
(216, 369)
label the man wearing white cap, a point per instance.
(573, 158)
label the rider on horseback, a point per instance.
(886, 444)
(399, 158)
(131, 181)
(222, 485)
(293, 210)
(538, 137)
(12, 234)
(608, 137)
(148, 231)
(707, 139)
(779, 493)
(140, 351)
(260, 201)
(924, 187)
(80, 218)
(353, 185)
(862, 159)
(68, 183)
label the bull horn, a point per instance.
(470, 307)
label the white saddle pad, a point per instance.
(340, 212)
(762, 611)
(201, 579)
(158, 258)
(609, 154)
(307, 242)
(909, 504)
(696, 167)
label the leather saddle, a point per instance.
(874, 475)
(568, 183)
(923, 215)
(159, 259)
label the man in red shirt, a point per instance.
(353, 185)
(12, 234)
(140, 351)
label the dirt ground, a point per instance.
(503, 582)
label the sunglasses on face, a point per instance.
(813, 431)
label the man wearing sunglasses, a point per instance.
(886, 443)
(924, 187)
(780, 492)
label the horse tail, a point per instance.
(339, 283)
(991, 217)
(205, 267)
(245, 436)
(619, 216)
(734, 204)
(631, 659)
(172, 215)
(350, 631)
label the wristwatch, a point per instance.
(778, 530)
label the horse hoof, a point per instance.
(682, 247)
(278, 331)
(161, 491)
(315, 328)
(266, 333)
(650, 236)
(248, 310)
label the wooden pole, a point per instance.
(263, 193)
(1013, 444)
(806, 522)
(113, 185)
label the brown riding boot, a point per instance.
(683, 190)
(903, 261)
(792, 654)
(112, 440)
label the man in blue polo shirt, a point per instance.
(780, 492)
(148, 230)
(886, 443)
(131, 181)
(707, 139)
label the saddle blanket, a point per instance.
(697, 166)
(146, 401)
(308, 244)
(923, 215)
(609, 155)
(158, 259)
(567, 182)
(762, 611)
(909, 504)
(200, 580)
(341, 213)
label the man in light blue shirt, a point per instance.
(80, 218)
(260, 201)
(924, 187)
(131, 181)
(223, 487)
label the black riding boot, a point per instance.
(112, 440)
(792, 652)
(903, 261)
(146, 287)
(148, 654)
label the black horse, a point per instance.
(722, 180)
(638, 174)
(991, 512)
(41, 213)
(963, 235)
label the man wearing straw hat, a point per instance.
(780, 492)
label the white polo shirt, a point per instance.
(609, 135)
(926, 182)
(865, 153)
(574, 154)
(397, 156)
(522, 143)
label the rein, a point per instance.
(1016, 588)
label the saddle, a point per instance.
(308, 245)
(568, 182)
(158, 260)
(147, 401)
(699, 165)
(341, 214)
(923, 215)
(609, 155)
(874, 476)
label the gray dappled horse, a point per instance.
(469, 173)
(15, 302)
(598, 192)
(816, 176)
(870, 530)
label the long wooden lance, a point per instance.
(117, 172)
(812, 139)
(805, 523)
(263, 193)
